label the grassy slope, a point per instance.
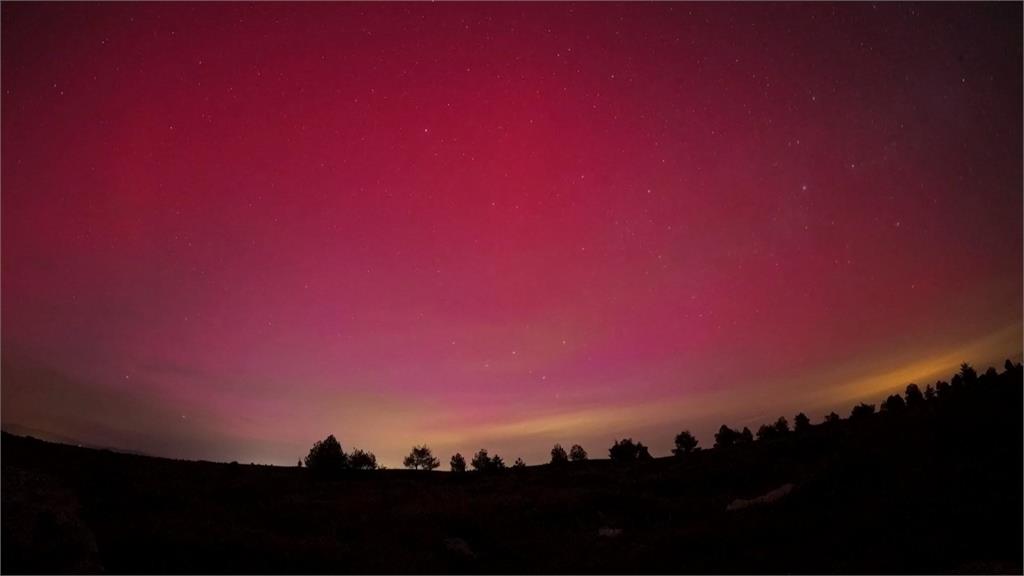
(935, 490)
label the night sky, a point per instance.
(229, 230)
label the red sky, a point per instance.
(229, 230)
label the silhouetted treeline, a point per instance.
(327, 455)
(930, 483)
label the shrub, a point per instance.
(746, 436)
(481, 461)
(781, 426)
(929, 393)
(913, 396)
(558, 455)
(421, 459)
(686, 443)
(893, 404)
(362, 460)
(458, 463)
(577, 453)
(326, 456)
(726, 437)
(861, 412)
(626, 450)
(801, 423)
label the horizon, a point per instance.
(230, 230)
(45, 436)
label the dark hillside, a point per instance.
(934, 487)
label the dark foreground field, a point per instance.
(933, 489)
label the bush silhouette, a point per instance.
(458, 463)
(362, 460)
(519, 465)
(893, 404)
(929, 393)
(968, 375)
(771, 431)
(558, 455)
(642, 453)
(685, 443)
(577, 453)
(956, 383)
(481, 461)
(781, 425)
(801, 423)
(861, 412)
(989, 376)
(746, 436)
(326, 456)
(421, 459)
(913, 396)
(726, 437)
(623, 450)
(626, 450)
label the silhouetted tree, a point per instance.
(968, 374)
(942, 389)
(989, 376)
(913, 396)
(421, 459)
(481, 461)
(929, 393)
(623, 449)
(893, 404)
(832, 418)
(458, 463)
(642, 453)
(627, 450)
(362, 460)
(746, 436)
(801, 423)
(558, 455)
(782, 426)
(300, 464)
(685, 443)
(862, 411)
(726, 437)
(577, 453)
(326, 456)
(771, 431)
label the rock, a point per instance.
(458, 546)
(766, 498)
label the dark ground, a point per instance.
(935, 489)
